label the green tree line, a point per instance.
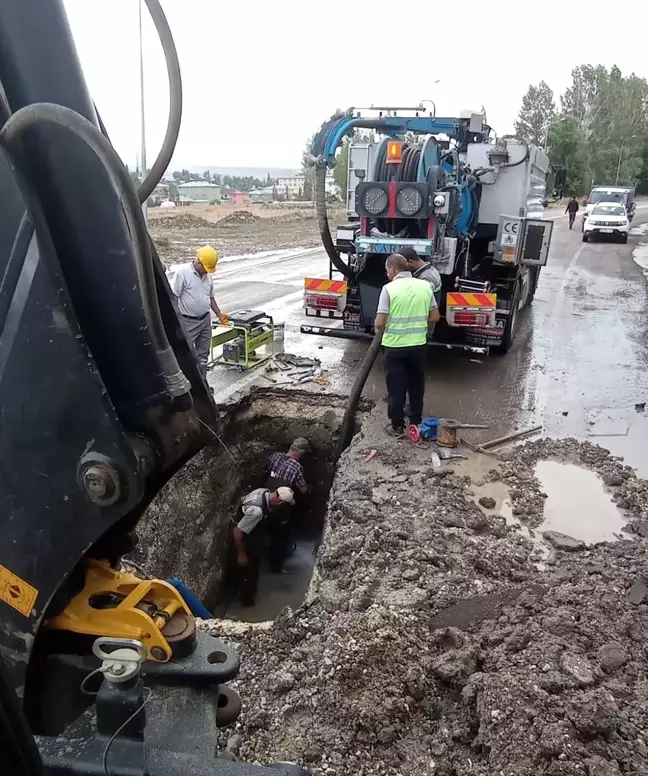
(597, 134)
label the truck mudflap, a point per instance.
(324, 298)
(470, 309)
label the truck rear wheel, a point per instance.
(533, 283)
(511, 323)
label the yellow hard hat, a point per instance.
(208, 257)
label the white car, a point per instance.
(607, 219)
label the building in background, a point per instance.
(265, 194)
(199, 192)
(240, 198)
(293, 186)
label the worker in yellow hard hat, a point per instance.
(192, 285)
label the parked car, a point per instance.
(607, 219)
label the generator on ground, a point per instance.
(468, 203)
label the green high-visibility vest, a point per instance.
(409, 309)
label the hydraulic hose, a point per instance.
(175, 102)
(11, 137)
(346, 429)
(323, 224)
(523, 159)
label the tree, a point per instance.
(536, 114)
(642, 184)
(308, 191)
(207, 176)
(612, 113)
(275, 194)
(568, 154)
(307, 169)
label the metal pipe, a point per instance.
(510, 437)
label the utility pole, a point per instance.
(142, 111)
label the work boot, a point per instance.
(394, 432)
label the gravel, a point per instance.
(430, 643)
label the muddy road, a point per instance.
(578, 367)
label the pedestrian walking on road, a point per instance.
(192, 285)
(286, 470)
(572, 209)
(405, 309)
(249, 536)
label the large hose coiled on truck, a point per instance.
(323, 224)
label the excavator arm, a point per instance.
(101, 402)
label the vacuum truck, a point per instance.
(467, 202)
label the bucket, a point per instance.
(279, 331)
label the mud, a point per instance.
(177, 235)
(431, 642)
(185, 531)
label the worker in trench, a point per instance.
(405, 310)
(249, 534)
(192, 285)
(286, 470)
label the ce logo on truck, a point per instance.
(509, 233)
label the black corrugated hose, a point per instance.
(346, 430)
(323, 224)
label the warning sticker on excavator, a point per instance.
(16, 592)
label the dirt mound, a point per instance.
(433, 644)
(183, 221)
(239, 217)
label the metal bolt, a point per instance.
(117, 669)
(101, 483)
(157, 653)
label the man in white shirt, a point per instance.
(192, 285)
(249, 535)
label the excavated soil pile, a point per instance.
(431, 643)
(239, 217)
(184, 221)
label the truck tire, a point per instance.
(511, 324)
(533, 284)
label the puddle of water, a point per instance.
(577, 503)
(503, 506)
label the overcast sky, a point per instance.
(259, 77)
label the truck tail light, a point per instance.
(470, 319)
(322, 302)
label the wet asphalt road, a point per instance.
(578, 367)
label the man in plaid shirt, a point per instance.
(286, 471)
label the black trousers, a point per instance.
(405, 376)
(572, 218)
(280, 525)
(247, 577)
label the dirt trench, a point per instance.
(185, 531)
(432, 643)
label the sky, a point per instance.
(260, 77)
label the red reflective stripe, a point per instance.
(392, 200)
(484, 300)
(431, 226)
(458, 299)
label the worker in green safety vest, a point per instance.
(405, 310)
